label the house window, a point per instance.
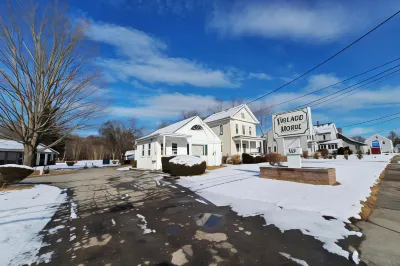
(383, 142)
(205, 149)
(197, 127)
(149, 150)
(274, 148)
(187, 148)
(143, 150)
(237, 147)
(237, 129)
(312, 137)
(250, 130)
(324, 137)
(174, 148)
(269, 149)
(243, 115)
(2, 157)
(243, 130)
(244, 147)
(199, 150)
(162, 149)
(221, 129)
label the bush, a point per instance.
(180, 167)
(224, 159)
(13, 174)
(236, 159)
(369, 152)
(324, 153)
(133, 163)
(165, 163)
(334, 154)
(359, 154)
(317, 155)
(341, 150)
(305, 154)
(346, 154)
(70, 163)
(275, 158)
(250, 159)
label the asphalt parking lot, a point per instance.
(140, 218)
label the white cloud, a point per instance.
(320, 81)
(259, 76)
(145, 58)
(319, 22)
(358, 131)
(165, 106)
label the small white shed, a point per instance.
(187, 137)
(380, 144)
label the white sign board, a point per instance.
(293, 123)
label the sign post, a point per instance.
(290, 126)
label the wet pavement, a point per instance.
(140, 218)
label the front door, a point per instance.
(244, 148)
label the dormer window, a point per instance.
(197, 127)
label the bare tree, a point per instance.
(358, 138)
(120, 136)
(218, 107)
(46, 77)
(163, 123)
(189, 113)
(264, 116)
(392, 135)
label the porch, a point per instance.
(248, 144)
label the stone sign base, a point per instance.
(315, 176)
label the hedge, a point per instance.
(70, 163)
(249, 159)
(9, 175)
(275, 158)
(165, 163)
(186, 170)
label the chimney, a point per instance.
(317, 123)
(339, 130)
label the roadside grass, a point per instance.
(16, 187)
(215, 167)
(36, 173)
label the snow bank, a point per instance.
(188, 160)
(290, 205)
(127, 168)
(80, 165)
(17, 166)
(23, 214)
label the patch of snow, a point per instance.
(55, 229)
(188, 160)
(45, 258)
(355, 257)
(127, 168)
(291, 205)
(73, 210)
(143, 226)
(173, 186)
(300, 262)
(72, 237)
(113, 222)
(201, 201)
(23, 214)
(17, 166)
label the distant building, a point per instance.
(322, 136)
(12, 152)
(130, 155)
(397, 148)
(379, 144)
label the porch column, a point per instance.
(164, 147)
(241, 147)
(190, 145)
(262, 147)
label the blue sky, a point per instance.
(160, 58)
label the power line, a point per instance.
(348, 95)
(374, 120)
(337, 83)
(351, 86)
(326, 60)
(373, 81)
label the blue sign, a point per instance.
(375, 144)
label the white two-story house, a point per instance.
(237, 129)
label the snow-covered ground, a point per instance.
(23, 214)
(80, 165)
(290, 205)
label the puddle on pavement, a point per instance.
(173, 229)
(208, 220)
(122, 207)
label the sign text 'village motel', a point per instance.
(292, 123)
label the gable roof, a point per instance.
(324, 128)
(13, 145)
(349, 140)
(169, 129)
(229, 113)
(376, 135)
